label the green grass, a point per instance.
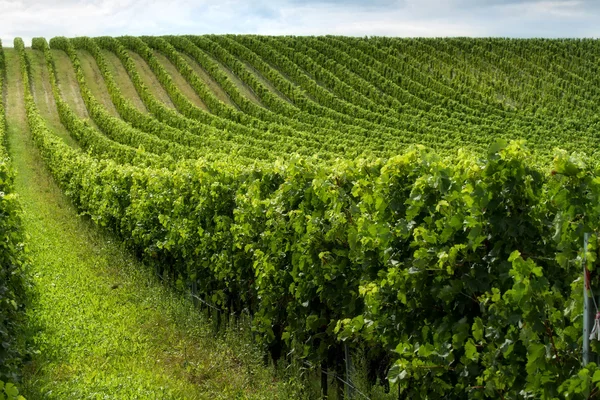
(150, 79)
(42, 92)
(209, 81)
(122, 79)
(103, 326)
(241, 86)
(180, 81)
(95, 82)
(67, 82)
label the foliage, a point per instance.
(463, 269)
(12, 262)
(8, 391)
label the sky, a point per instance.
(407, 18)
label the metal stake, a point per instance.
(587, 304)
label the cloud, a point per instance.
(361, 4)
(515, 18)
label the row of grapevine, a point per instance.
(321, 127)
(13, 296)
(207, 137)
(427, 131)
(271, 137)
(411, 70)
(447, 54)
(463, 272)
(115, 128)
(458, 122)
(376, 83)
(312, 78)
(488, 120)
(345, 125)
(327, 105)
(299, 137)
(86, 135)
(542, 135)
(301, 122)
(456, 117)
(171, 142)
(415, 59)
(457, 56)
(543, 131)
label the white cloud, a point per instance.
(517, 18)
(104, 17)
(328, 19)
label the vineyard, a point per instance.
(421, 202)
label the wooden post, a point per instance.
(324, 378)
(195, 293)
(349, 391)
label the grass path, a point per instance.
(180, 81)
(105, 329)
(122, 79)
(244, 89)
(95, 81)
(149, 79)
(42, 93)
(67, 82)
(210, 82)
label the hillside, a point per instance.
(402, 202)
(345, 97)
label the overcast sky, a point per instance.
(514, 18)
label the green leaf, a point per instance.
(497, 146)
(471, 351)
(478, 329)
(596, 376)
(11, 390)
(514, 255)
(397, 373)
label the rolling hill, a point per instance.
(422, 202)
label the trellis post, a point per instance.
(587, 304)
